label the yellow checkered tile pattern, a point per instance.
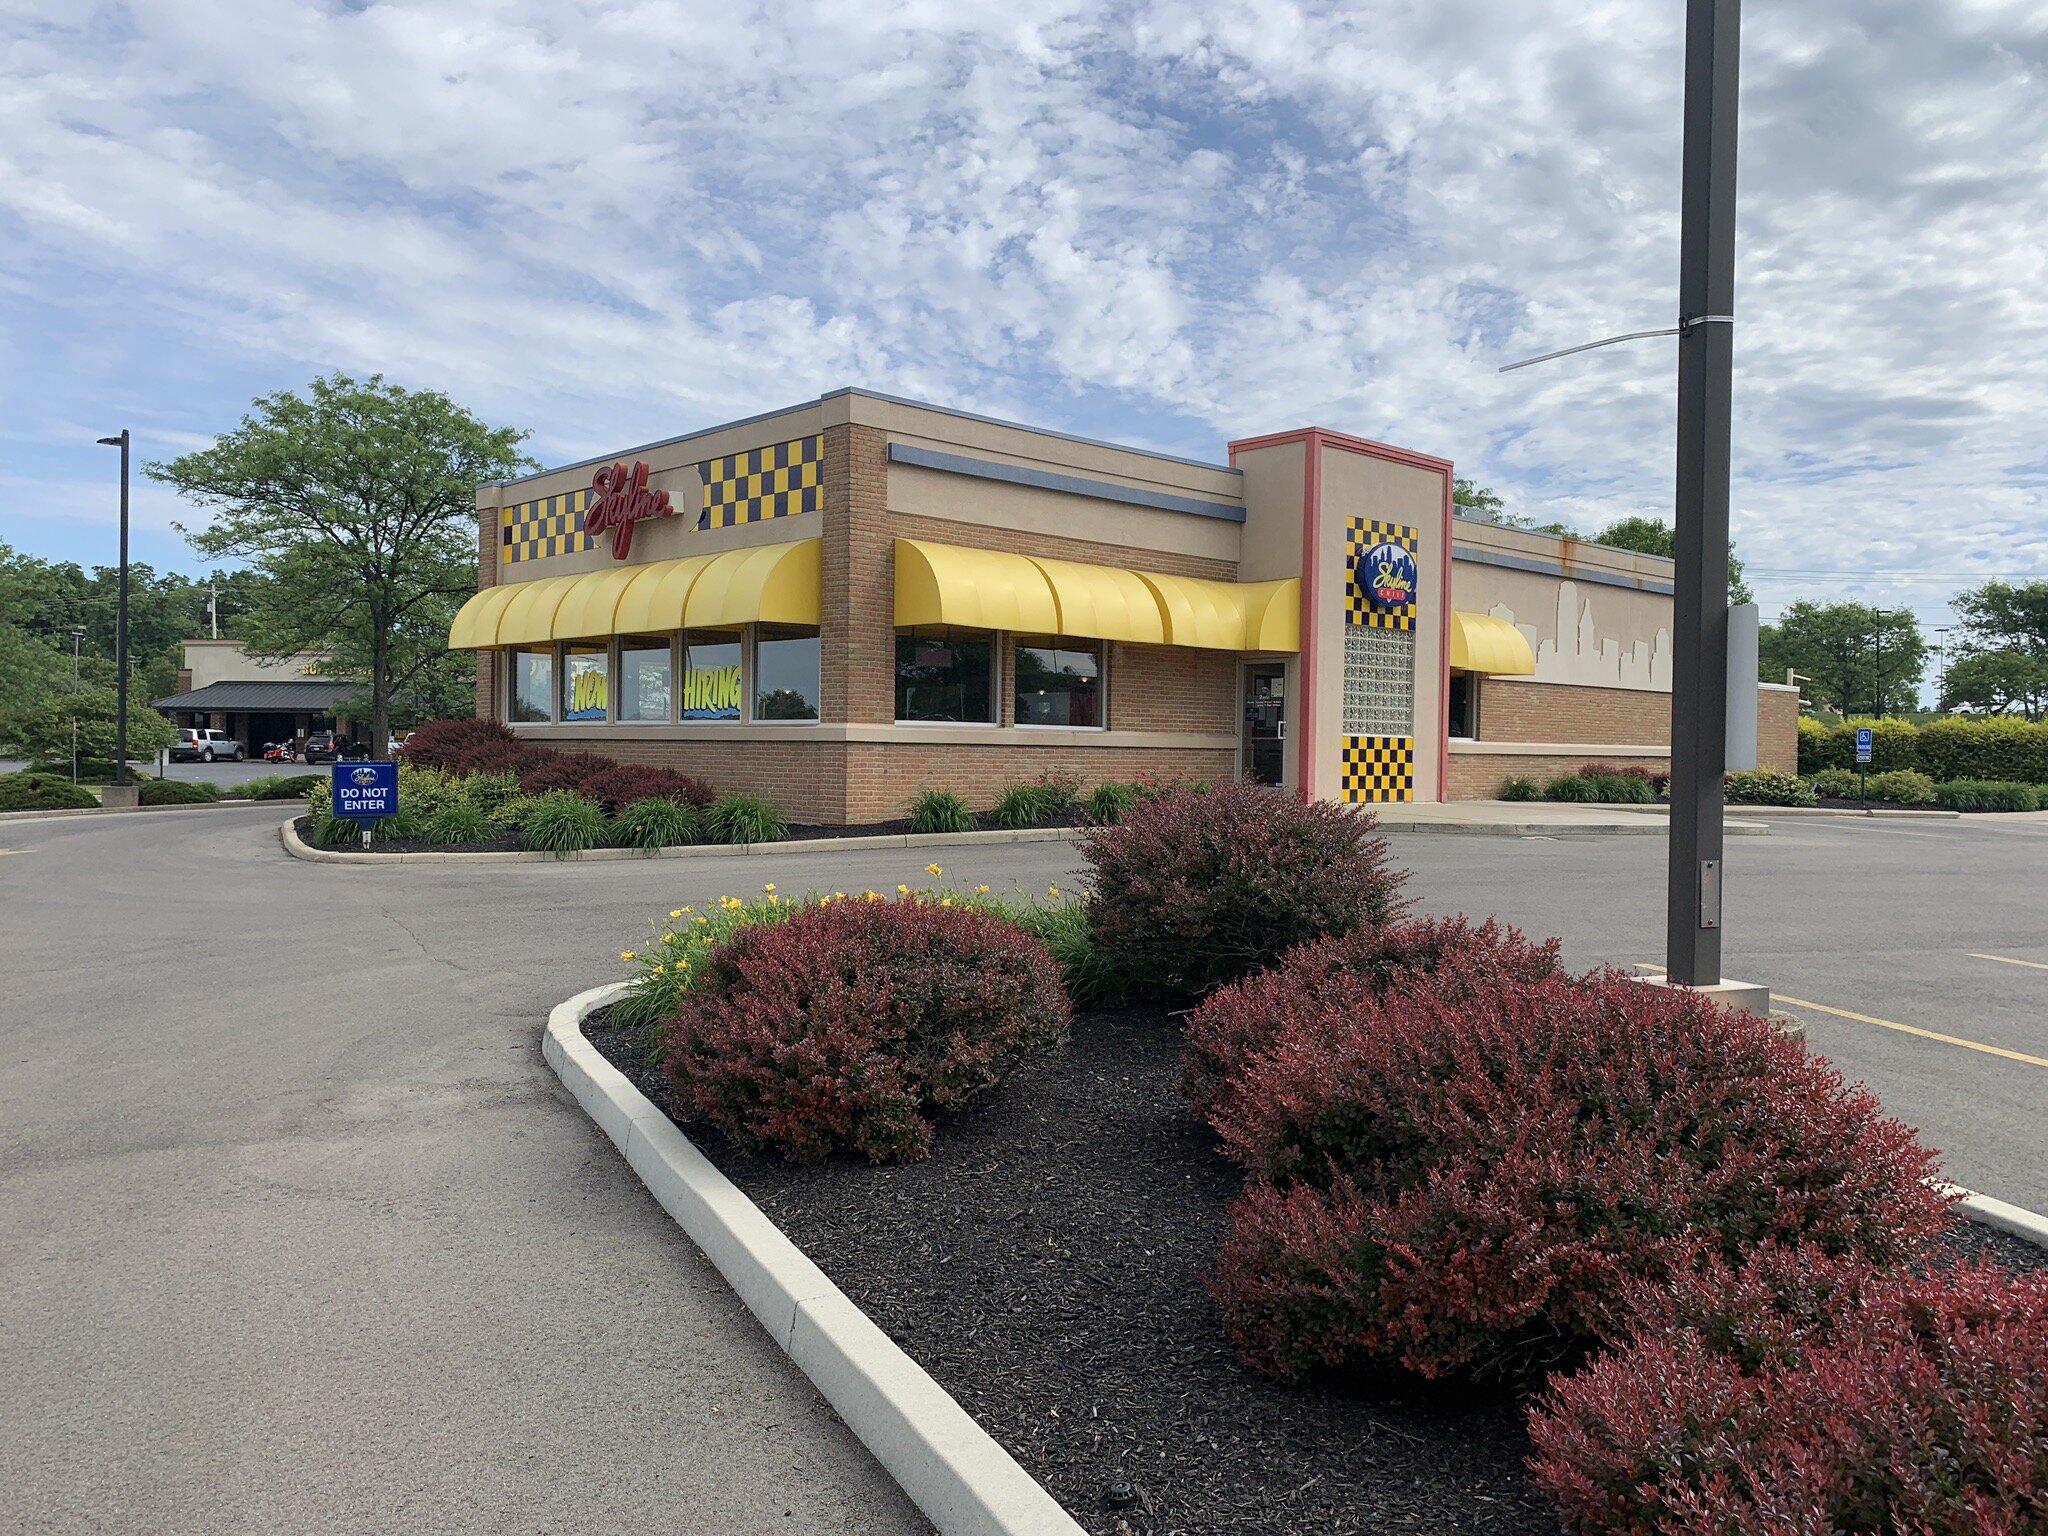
(751, 487)
(1378, 769)
(1361, 534)
(534, 530)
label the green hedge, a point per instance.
(178, 792)
(42, 792)
(1952, 748)
(1987, 795)
(1766, 787)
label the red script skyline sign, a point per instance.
(618, 500)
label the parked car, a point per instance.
(324, 747)
(199, 745)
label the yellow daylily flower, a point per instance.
(627, 954)
(933, 869)
(902, 890)
(981, 890)
(769, 887)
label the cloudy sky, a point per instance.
(1171, 223)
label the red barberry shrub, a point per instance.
(854, 1023)
(470, 746)
(619, 784)
(1472, 1183)
(564, 770)
(1236, 1022)
(1197, 887)
(1900, 1402)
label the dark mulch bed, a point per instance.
(508, 842)
(1045, 1265)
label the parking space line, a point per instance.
(1904, 1029)
(2032, 965)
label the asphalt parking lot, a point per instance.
(302, 1234)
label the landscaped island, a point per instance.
(1231, 1196)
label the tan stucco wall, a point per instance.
(1353, 483)
(224, 661)
(1582, 632)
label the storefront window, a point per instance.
(945, 675)
(644, 673)
(533, 684)
(1059, 684)
(785, 673)
(586, 682)
(711, 675)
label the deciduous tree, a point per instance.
(357, 501)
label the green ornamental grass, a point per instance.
(458, 823)
(1021, 805)
(655, 822)
(563, 821)
(1109, 802)
(940, 810)
(743, 819)
(1519, 788)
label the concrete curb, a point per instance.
(1988, 1211)
(966, 1484)
(1635, 828)
(129, 810)
(299, 848)
(1875, 813)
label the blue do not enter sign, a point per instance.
(365, 791)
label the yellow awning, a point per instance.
(592, 603)
(772, 584)
(654, 599)
(989, 589)
(476, 625)
(973, 588)
(1229, 615)
(530, 616)
(1099, 602)
(1482, 643)
(1272, 615)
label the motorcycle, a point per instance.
(279, 752)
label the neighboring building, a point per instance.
(256, 701)
(841, 604)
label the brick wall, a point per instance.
(882, 780)
(1517, 711)
(1172, 688)
(1777, 730)
(1479, 775)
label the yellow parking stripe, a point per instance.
(2032, 965)
(1904, 1029)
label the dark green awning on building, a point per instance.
(265, 698)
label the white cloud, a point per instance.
(1174, 220)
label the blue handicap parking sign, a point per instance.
(365, 791)
(1863, 739)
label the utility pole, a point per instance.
(1941, 663)
(77, 634)
(1706, 366)
(121, 625)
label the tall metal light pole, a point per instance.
(121, 625)
(77, 634)
(1706, 366)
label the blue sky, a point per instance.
(1170, 223)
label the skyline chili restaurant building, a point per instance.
(847, 602)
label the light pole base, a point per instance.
(1733, 996)
(121, 797)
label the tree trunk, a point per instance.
(380, 692)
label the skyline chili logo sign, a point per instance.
(619, 498)
(1387, 573)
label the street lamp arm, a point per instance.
(1683, 328)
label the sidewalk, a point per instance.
(1540, 818)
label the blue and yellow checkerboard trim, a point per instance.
(535, 530)
(778, 481)
(1378, 769)
(1360, 534)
